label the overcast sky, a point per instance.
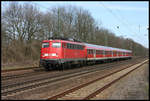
(131, 17)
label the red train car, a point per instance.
(61, 53)
(97, 52)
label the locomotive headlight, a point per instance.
(54, 54)
(46, 54)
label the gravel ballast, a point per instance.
(134, 86)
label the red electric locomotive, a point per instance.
(56, 53)
(62, 52)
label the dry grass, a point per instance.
(20, 65)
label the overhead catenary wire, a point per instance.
(117, 17)
(120, 20)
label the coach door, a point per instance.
(94, 52)
(64, 46)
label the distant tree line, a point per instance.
(24, 26)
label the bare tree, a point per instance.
(24, 27)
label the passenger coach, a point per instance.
(97, 52)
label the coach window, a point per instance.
(75, 46)
(96, 51)
(56, 44)
(71, 46)
(68, 45)
(45, 45)
(79, 46)
(100, 52)
(90, 51)
(115, 53)
(106, 52)
(110, 52)
(64, 45)
(103, 52)
(87, 51)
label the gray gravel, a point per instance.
(135, 86)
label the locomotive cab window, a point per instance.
(56, 44)
(45, 45)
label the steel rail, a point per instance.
(85, 84)
(29, 81)
(109, 84)
(43, 83)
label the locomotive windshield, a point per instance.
(56, 44)
(45, 45)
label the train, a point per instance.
(61, 53)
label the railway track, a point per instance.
(27, 85)
(26, 74)
(78, 91)
(30, 73)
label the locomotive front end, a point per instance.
(50, 54)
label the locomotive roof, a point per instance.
(67, 41)
(105, 47)
(91, 46)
